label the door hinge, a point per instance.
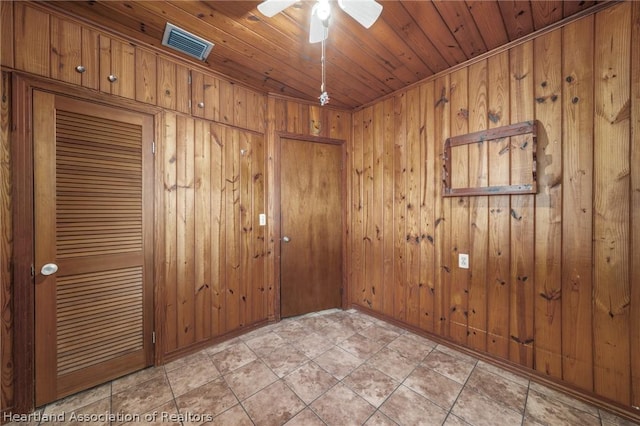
(33, 271)
(189, 78)
(153, 147)
(189, 103)
(153, 337)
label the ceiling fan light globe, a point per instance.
(323, 10)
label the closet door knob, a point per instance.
(112, 78)
(49, 269)
(286, 239)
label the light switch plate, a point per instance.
(463, 261)
(263, 219)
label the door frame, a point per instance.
(22, 201)
(277, 217)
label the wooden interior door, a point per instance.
(311, 224)
(93, 199)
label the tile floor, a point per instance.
(327, 368)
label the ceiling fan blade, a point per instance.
(317, 30)
(366, 12)
(270, 8)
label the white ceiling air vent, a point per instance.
(185, 42)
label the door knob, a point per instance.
(286, 239)
(49, 268)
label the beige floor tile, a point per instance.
(79, 400)
(284, 360)
(291, 331)
(406, 407)
(191, 376)
(341, 406)
(355, 322)
(393, 363)
(506, 392)
(249, 379)
(219, 347)
(136, 378)
(371, 384)
(233, 358)
(312, 345)
(361, 347)
(530, 422)
(421, 340)
(338, 362)
(265, 344)
(274, 405)
(564, 399)
(549, 410)
(336, 333)
(310, 381)
(141, 398)
(457, 354)
(449, 366)
(610, 419)
(479, 410)
(315, 323)
(410, 348)
(392, 327)
(379, 419)
(234, 416)
(210, 399)
(434, 386)
(166, 415)
(261, 331)
(305, 417)
(193, 359)
(523, 381)
(379, 333)
(96, 413)
(329, 367)
(455, 421)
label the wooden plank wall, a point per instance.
(553, 282)
(214, 264)
(6, 252)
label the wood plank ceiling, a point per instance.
(411, 41)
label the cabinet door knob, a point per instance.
(112, 78)
(81, 69)
(200, 104)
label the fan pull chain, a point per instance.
(324, 96)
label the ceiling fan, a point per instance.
(366, 12)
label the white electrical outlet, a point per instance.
(463, 261)
(263, 219)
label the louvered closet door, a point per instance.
(93, 199)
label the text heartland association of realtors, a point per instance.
(155, 416)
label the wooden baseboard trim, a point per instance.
(191, 349)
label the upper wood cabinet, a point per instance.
(74, 54)
(66, 51)
(117, 67)
(146, 76)
(32, 39)
(62, 49)
(219, 100)
(173, 85)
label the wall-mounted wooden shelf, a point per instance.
(528, 129)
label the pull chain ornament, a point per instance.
(324, 96)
